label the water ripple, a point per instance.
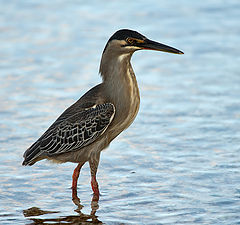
(177, 164)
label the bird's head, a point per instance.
(128, 41)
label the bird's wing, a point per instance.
(75, 132)
(79, 130)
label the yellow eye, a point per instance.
(133, 41)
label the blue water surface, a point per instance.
(179, 162)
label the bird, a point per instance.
(88, 126)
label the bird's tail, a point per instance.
(31, 154)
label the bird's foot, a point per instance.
(76, 201)
(75, 198)
(95, 198)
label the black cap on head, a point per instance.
(124, 34)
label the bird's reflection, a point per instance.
(71, 219)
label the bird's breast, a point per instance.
(127, 105)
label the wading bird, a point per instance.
(88, 126)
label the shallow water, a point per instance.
(177, 164)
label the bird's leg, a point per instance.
(94, 185)
(93, 162)
(74, 181)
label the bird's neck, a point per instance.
(116, 70)
(118, 75)
(114, 67)
(121, 88)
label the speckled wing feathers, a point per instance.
(79, 130)
(75, 132)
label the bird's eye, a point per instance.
(134, 41)
(131, 41)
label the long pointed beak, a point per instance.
(153, 45)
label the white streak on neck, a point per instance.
(122, 57)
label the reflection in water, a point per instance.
(71, 219)
(184, 147)
(35, 211)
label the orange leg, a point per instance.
(74, 181)
(95, 189)
(93, 163)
